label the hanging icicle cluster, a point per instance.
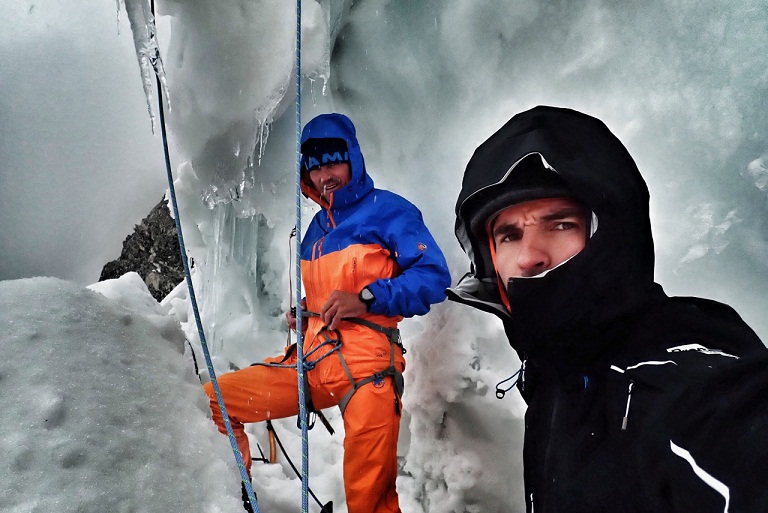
(147, 51)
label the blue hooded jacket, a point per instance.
(368, 237)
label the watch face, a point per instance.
(366, 294)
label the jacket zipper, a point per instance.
(317, 249)
(625, 420)
(354, 273)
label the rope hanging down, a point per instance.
(300, 367)
(193, 300)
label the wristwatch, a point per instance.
(366, 296)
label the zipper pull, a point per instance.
(625, 420)
(519, 374)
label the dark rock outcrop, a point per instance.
(152, 250)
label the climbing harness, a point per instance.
(330, 344)
(393, 335)
(310, 412)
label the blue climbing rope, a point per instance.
(300, 364)
(230, 433)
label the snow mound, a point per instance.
(101, 407)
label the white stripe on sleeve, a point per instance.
(705, 476)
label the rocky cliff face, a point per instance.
(152, 250)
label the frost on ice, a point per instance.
(757, 173)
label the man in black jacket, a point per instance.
(637, 402)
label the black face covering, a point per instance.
(568, 315)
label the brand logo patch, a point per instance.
(327, 158)
(698, 348)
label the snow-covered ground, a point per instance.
(102, 410)
(682, 84)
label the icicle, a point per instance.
(312, 90)
(312, 81)
(119, 4)
(264, 116)
(147, 51)
(263, 134)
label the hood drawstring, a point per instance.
(520, 374)
(625, 420)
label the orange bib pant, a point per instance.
(371, 422)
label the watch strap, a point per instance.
(366, 297)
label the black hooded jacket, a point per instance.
(637, 402)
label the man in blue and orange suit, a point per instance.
(367, 261)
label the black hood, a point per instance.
(591, 295)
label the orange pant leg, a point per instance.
(370, 450)
(254, 394)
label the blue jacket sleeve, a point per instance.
(424, 272)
